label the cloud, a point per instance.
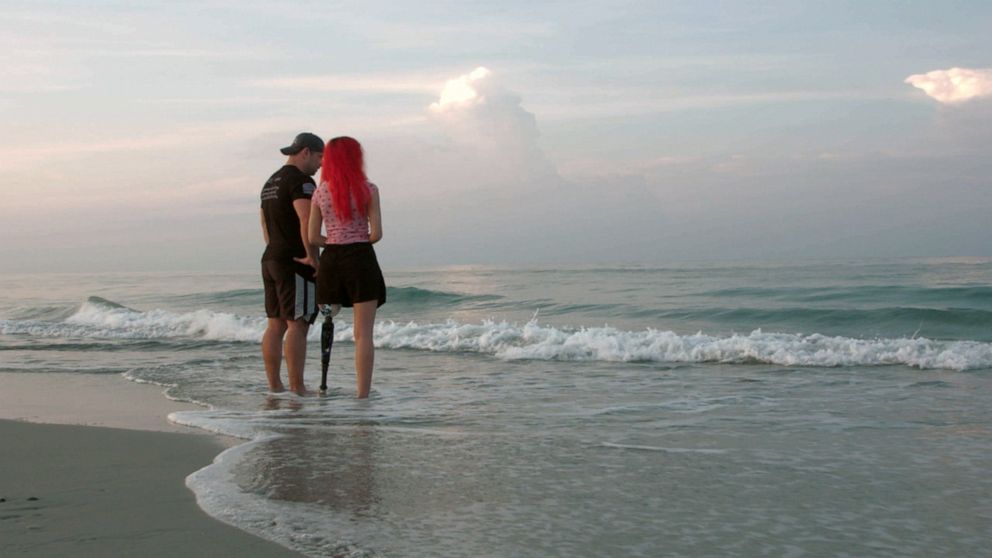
(572, 104)
(29, 65)
(179, 139)
(423, 35)
(955, 85)
(488, 123)
(348, 83)
(462, 90)
(485, 191)
(36, 19)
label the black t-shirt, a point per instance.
(287, 185)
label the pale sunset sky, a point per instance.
(137, 135)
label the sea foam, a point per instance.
(97, 318)
(533, 341)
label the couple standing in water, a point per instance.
(346, 273)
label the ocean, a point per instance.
(839, 408)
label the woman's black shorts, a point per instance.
(349, 273)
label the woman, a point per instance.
(348, 206)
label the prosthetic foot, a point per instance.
(326, 341)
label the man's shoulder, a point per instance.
(286, 172)
(277, 178)
(292, 176)
(297, 183)
(290, 183)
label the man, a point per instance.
(289, 263)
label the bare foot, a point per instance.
(303, 391)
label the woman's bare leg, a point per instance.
(364, 350)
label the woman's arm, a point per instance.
(375, 218)
(313, 227)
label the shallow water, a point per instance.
(837, 408)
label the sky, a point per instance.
(136, 135)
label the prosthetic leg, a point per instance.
(326, 342)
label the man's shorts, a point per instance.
(290, 291)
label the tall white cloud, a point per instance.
(462, 90)
(488, 122)
(484, 191)
(955, 85)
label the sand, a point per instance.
(71, 490)
(90, 400)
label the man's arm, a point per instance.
(265, 230)
(302, 207)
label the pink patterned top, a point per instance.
(357, 230)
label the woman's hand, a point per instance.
(312, 262)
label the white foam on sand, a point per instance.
(303, 527)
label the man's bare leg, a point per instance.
(364, 349)
(296, 354)
(272, 352)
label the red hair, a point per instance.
(343, 169)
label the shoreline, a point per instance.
(91, 466)
(106, 400)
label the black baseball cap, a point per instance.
(305, 139)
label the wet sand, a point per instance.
(72, 490)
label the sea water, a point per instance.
(755, 409)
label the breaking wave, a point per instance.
(98, 318)
(534, 341)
